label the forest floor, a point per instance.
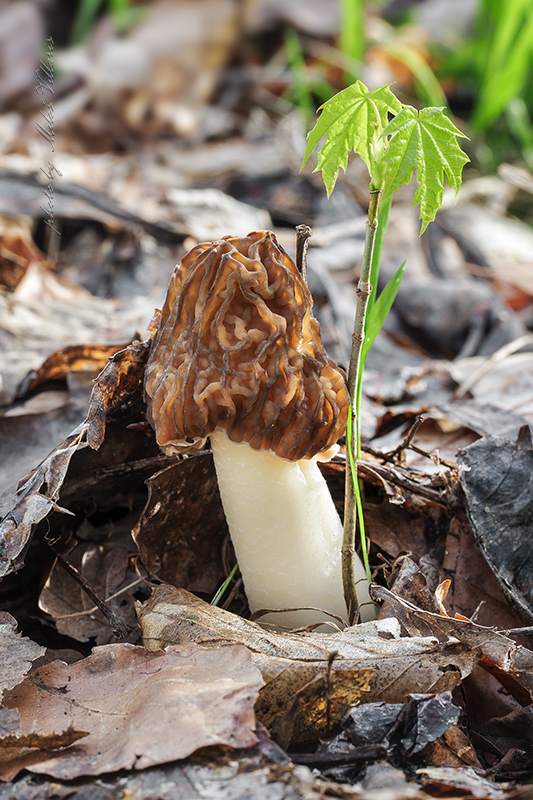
(110, 550)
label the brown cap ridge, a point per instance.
(238, 349)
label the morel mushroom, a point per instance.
(238, 358)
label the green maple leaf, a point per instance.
(352, 121)
(426, 140)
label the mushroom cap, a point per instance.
(238, 349)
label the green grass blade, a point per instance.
(222, 589)
(300, 88)
(87, 11)
(517, 117)
(383, 224)
(352, 34)
(375, 318)
(506, 32)
(429, 89)
(377, 315)
(358, 499)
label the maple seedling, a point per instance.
(393, 139)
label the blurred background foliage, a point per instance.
(480, 68)
(473, 56)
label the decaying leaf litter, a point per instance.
(85, 486)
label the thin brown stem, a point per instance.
(364, 290)
(120, 629)
(406, 443)
(303, 234)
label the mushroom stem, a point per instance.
(286, 533)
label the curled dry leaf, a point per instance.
(74, 614)
(16, 654)
(137, 707)
(182, 527)
(35, 499)
(289, 662)
(497, 478)
(452, 749)
(17, 250)
(463, 782)
(505, 655)
(39, 741)
(120, 379)
(119, 386)
(75, 358)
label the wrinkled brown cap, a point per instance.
(238, 349)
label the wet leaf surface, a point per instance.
(410, 726)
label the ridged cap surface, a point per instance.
(238, 349)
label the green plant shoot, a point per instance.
(394, 140)
(356, 120)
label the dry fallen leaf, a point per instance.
(110, 574)
(34, 501)
(312, 711)
(137, 707)
(447, 781)
(117, 391)
(182, 527)
(289, 662)
(16, 653)
(453, 749)
(497, 480)
(17, 250)
(90, 358)
(120, 381)
(498, 653)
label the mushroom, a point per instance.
(238, 358)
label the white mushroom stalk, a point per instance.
(238, 359)
(286, 533)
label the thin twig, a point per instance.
(387, 457)
(303, 234)
(331, 658)
(88, 611)
(492, 361)
(120, 629)
(364, 290)
(433, 456)
(366, 752)
(408, 438)
(405, 483)
(517, 631)
(231, 596)
(262, 611)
